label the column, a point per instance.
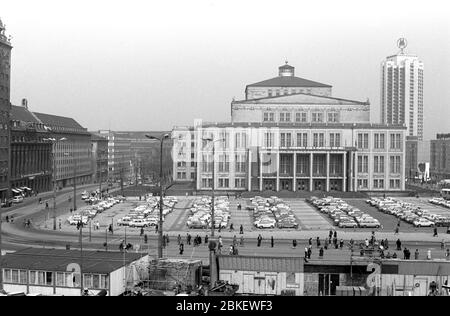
(260, 172)
(311, 158)
(294, 178)
(344, 173)
(355, 170)
(249, 170)
(327, 182)
(277, 184)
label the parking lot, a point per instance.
(296, 211)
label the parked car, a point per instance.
(265, 223)
(17, 199)
(423, 222)
(138, 223)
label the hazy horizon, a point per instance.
(145, 65)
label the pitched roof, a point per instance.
(302, 98)
(256, 263)
(61, 121)
(289, 81)
(20, 113)
(101, 262)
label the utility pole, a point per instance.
(54, 185)
(213, 222)
(74, 180)
(81, 258)
(1, 256)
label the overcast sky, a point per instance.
(150, 65)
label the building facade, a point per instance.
(402, 91)
(440, 157)
(99, 158)
(31, 154)
(72, 149)
(417, 156)
(296, 141)
(119, 155)
(5, 111)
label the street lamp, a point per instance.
(161, 140)
(54, 142)
(213, 179)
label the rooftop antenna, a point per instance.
(402, 43)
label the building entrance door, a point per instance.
(319, 185)
(302, 185)
(269, 184)
(286, 185)
(328, 283)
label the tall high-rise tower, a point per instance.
(5, 110)
(402, 91)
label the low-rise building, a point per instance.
(57, 271)
(440, 157)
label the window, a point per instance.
(378, 184)
(394, 164)
(394, 183)
(378, 141)
(207, 163)
(241, 140)
(317, 117)
(395, 141)
(363, 183)
(269, 117)
(224, 164)
(378, 164)
(268, 140)
(333, 117)
(88, 281)
(300, 117)
(207, 183)
(363, 164)
(335, 140)
(363, 141)
(239, 183)
(285, 139)
(240, 163)
(302, 139)
(192, 164)
(318, 140)
(224, 182)
(224, 139)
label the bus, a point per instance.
(445, 193)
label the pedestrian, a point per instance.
(443, 244)
(167, 239)
(231, 252)
(145, 238)
(234, 240)
(396, 230)
(220, 241)
(231, 227)
(318, 242)
(156, 228)
(7, 218)
(46, 204)
(341, 244)
(335, 234)
(394, 256)
(310, 241)
(306, 252)
(29, 223)
(404, 253)
(206, 240)
(330, 235)
(110, 228)
(259, 240)
(241, 229)
(121, 246)
(416, 254)
(11, 219)
(294, 243)
(309, 252)
(179, 239)
(399, 244)
(326, 243)
(386, 243)
(188, 238)
(181, 247)
(435, 232)
(59, 224)
(40, 200)
(142, 231)
(271, 241)
(335, 242)
(241, 242)
(321, 253)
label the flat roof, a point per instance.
(45, 259)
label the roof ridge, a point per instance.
(290, 78)
(300, 93)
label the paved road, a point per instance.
(16, 236)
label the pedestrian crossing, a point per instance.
(308, 217)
